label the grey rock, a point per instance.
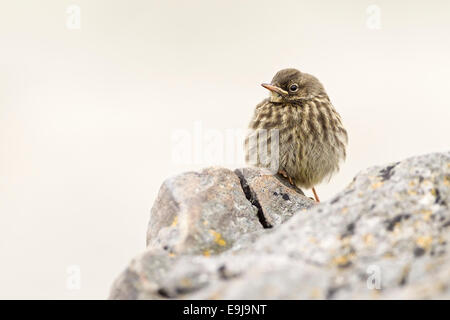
(390, 227)
(201, 213)
(276, 200)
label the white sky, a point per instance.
(87, 116)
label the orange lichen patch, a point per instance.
(424, 242)
(206, 253)
(312, 240)
(217, 295)
(174, 222)
(368, 239)
(375, 294)
(344, 210)
(412, 192)
(205, 222)
(376, 185)
(171, 254)
(447, 180)
(186, 282)
(342, 261)
(388, 255)
(218, 238)
(397, 228)
(412, 183)
(426, 214)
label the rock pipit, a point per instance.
(311, 137)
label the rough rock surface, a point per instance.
(385, 236)
(275, 198)
(206, 212)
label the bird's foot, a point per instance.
(284, 174)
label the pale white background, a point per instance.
(87, 116)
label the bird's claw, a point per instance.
(284, 174)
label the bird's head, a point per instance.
(289, 85)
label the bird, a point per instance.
(310, 136)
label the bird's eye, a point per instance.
(293, 87)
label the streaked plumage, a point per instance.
(312, 139)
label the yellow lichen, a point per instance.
(424, 242)
(206, 253)
(375, 294)
(376, 185)
(218, 238)
(447, 180)
(341, 260)
(312, 240)
(186, 282)
(368, 239)
(426, 214)
(316, 293)
(174, 222)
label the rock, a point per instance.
(276, 200)
(385, 236)
(201, 212)
(207, 212)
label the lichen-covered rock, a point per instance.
(207, 212)
(201, 213)
(385, 236)
(276, 200)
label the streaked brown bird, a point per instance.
(310, 135)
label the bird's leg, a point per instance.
(284, 174)
(315, 195)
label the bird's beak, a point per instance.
(274, 89)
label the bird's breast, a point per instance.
(307, 128)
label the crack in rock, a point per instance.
(253, 200)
